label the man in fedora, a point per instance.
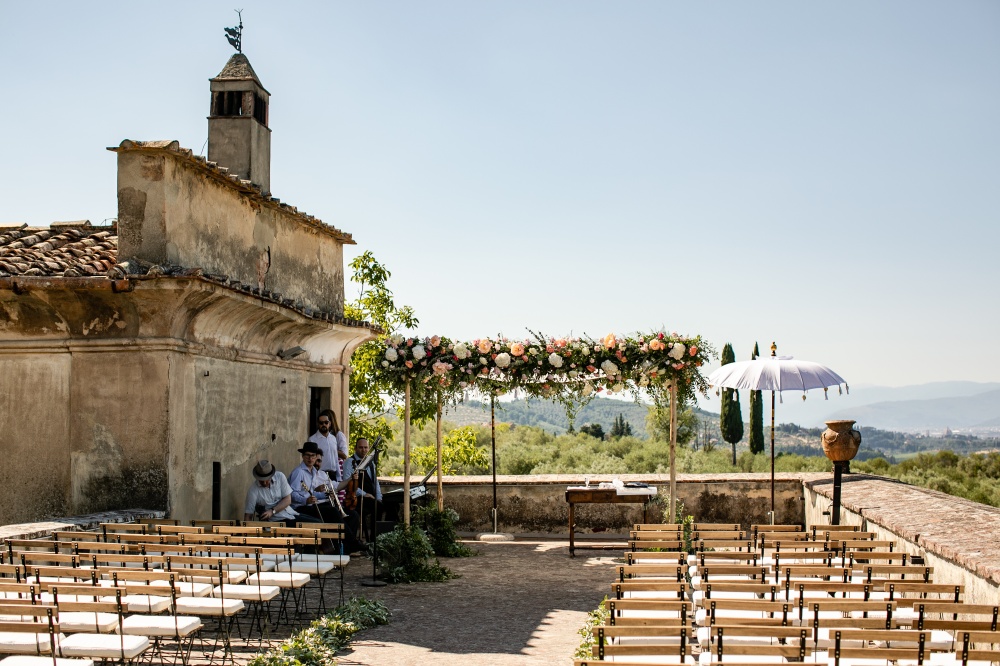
(270, 497)
(313, 494)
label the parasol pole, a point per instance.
(406, 457)
(440, 479)
(493, 444)
(774, 352)
(673, 452)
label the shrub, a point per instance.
(595, 617)
(405, 554)
(440, 529)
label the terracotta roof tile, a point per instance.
(81, 250)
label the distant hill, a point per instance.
(812, 412)
(551, 416)
(970, 411)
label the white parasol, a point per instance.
(775, 374)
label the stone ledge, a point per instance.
(90, 521)
(661, 480)
(960, 531)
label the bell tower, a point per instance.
(238, 136)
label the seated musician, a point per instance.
(270, 497)
(315, 495)
(369, 491)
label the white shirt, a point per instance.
(330, 444)
(304, 481)
(269, 497)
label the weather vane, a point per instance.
(235, 35)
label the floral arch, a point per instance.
(663, 366)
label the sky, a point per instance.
(825, 175)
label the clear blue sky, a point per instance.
(823, 174)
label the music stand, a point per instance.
(374, 582)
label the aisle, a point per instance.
(518, 602)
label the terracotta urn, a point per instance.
(841, 441)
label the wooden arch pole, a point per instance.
(406, 457)
(440, 478)
(673, 452)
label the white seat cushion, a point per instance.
(142, 603)
(103, 646)
(102, 623)
(247, 592)
(44, 661)
(306, 566)
(185, 588)
(206, 606)
(336, 560)
(161, 625)
(281, 579)
(23, 642)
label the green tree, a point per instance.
(374, 304)
(460, 454)
(658, 423)
(730, 415)
(756, 415)
(621, 427)
(593, 429)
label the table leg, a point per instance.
(571, 548)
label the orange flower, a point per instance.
(610, 342)
(485, 346)
(517, 349)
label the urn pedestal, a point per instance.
(840, 444)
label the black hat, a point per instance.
(263, 470)
(310, 447)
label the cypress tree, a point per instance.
(730, 416)
(756, 415)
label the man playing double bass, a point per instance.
(369, 492)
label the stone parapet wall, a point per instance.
(959, 538)
(537, 504)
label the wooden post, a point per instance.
(440, 490)
(406, 457)
(673, 453)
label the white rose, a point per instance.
(502, 360)
(609, 368)
(391, 355)
(397, 339)
(461, 351)
(419, 352)
(618, 388)
(677, 351)
(385, 364)
(482, 360)
(588, 388)
(555, 360)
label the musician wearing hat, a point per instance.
(315, 495)
(270, 497)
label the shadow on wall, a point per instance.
(133, 487)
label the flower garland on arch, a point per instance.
(548, 367)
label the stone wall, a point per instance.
(959, 538)
(173, 210)
(537, 504)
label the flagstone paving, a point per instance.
(517, 602)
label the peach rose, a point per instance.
(485, 346)
(517, 349)
(610, 341)
(435, 340)
(693, 350)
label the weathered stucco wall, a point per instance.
(129, 408)
(959, 538)
(172, 211)
(538, 503)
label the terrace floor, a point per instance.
(518, 602)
